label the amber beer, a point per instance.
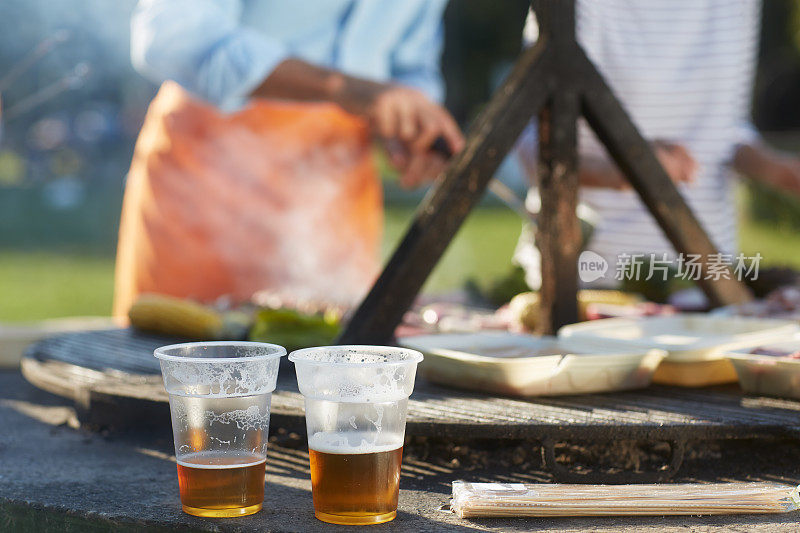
(355, 486)
(221, 485)
(356, 402)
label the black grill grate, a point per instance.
(120, 362)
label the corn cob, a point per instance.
(590, 296)
(175, 316)
(525, 309)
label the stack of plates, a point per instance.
(696, 343)
(598, 356)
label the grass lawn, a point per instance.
(36, 285)
(780, 246)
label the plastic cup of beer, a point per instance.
(356, 399)
(219, 397)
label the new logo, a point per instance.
(591, 266)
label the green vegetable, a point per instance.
(500, 290)
(293, 330)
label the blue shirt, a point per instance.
(221, 50)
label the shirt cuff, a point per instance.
(432, 85)
(746, 133)
(252, 58)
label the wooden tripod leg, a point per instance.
(455, 194)
(558, 236)
(637, 161)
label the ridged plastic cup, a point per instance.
(219, 397)
(355, 400)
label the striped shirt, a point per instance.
(683, 70)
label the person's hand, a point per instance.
(677, 161)
(409, 116)
(408, 123)
(415, 167)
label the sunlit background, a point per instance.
(70, 122)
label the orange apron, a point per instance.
(280, 196)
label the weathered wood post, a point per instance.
(559, 235)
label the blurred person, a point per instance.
(254, 168)
(684, 72)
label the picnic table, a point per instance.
(57, 476)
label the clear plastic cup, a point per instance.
(356, 399)
(219, 397)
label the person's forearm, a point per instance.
(598, 171)
(755, 162)
(760, 163)
(593, 171)
(294, 79)
(401, 116)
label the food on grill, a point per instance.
(776, 352)
(525, 306)
(175, 316)
(597, 311)
(780, 303)
(452, 317)
(294, 329)
(291, 327)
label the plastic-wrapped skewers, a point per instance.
(520, 500)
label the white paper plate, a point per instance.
(768, 374)
(688, 337)
(525, 365)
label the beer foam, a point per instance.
(356, 374)
(220, 370)
(245, 419)
(213, 460)
(219, 380)
(354, 442)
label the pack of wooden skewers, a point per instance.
(539, 500)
